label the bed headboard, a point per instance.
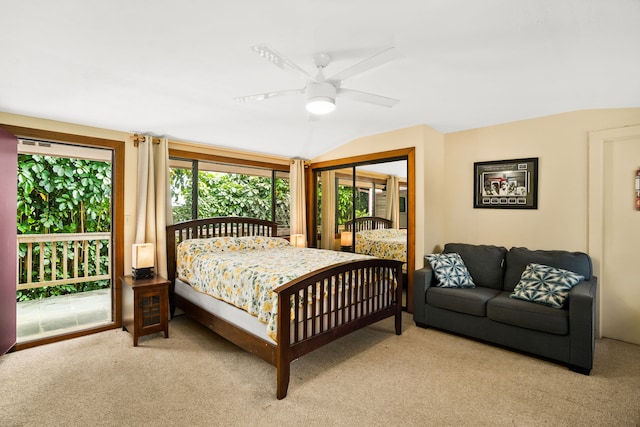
(223, 226)
(367, 223)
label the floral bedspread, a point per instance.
(244, 271)
(388, 243)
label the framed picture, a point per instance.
(506, 184)
(403, 204)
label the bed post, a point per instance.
(283, 349)
(171, 267)
(399, 286)
(283, 378)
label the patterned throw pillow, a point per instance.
(450, 271)
(545, 285)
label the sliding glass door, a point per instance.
(64, 238)
(70, 228)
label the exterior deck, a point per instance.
(62, 259)
(57, 315)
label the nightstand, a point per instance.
(145, 306)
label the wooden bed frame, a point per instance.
(310, 328)
(367, 223)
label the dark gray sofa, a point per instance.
(486, 312)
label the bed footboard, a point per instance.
(327, 304)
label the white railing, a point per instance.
(73, 265)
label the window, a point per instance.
(201, 189)
(369, 198)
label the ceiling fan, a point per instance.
(321, 91)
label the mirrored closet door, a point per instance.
(363, 205)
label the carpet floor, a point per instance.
(372, 377)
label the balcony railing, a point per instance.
(61, 259)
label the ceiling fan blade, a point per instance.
(279, 60)
(376, 60)
(369, 98)
(268, 95)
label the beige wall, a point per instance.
(561, 144)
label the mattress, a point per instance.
(230, 313)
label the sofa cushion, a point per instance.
(518, 259)
(470, 300)
(545, 285)
(528, 315)
(484, 262)
(450, 271)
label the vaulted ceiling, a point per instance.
(174, 67)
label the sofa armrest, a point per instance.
(582, 323)
(422, 280)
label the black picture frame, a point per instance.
(506, 184)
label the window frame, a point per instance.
(225, 164)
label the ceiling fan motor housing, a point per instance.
(321, 90)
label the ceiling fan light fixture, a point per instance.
(321, 105)
(321, 98)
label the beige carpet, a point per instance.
(372, 377)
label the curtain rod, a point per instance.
(138, 138)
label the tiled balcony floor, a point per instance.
(62, 314)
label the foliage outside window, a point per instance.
(344, 205)
(251, 192)
(62, 195)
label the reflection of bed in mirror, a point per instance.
(374, 236)
(367, 223)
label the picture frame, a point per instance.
(506, 184)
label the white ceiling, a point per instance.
(173, 67)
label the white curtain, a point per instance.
(328, 229)
(153, 206)
(393, 201)
(298, 221)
